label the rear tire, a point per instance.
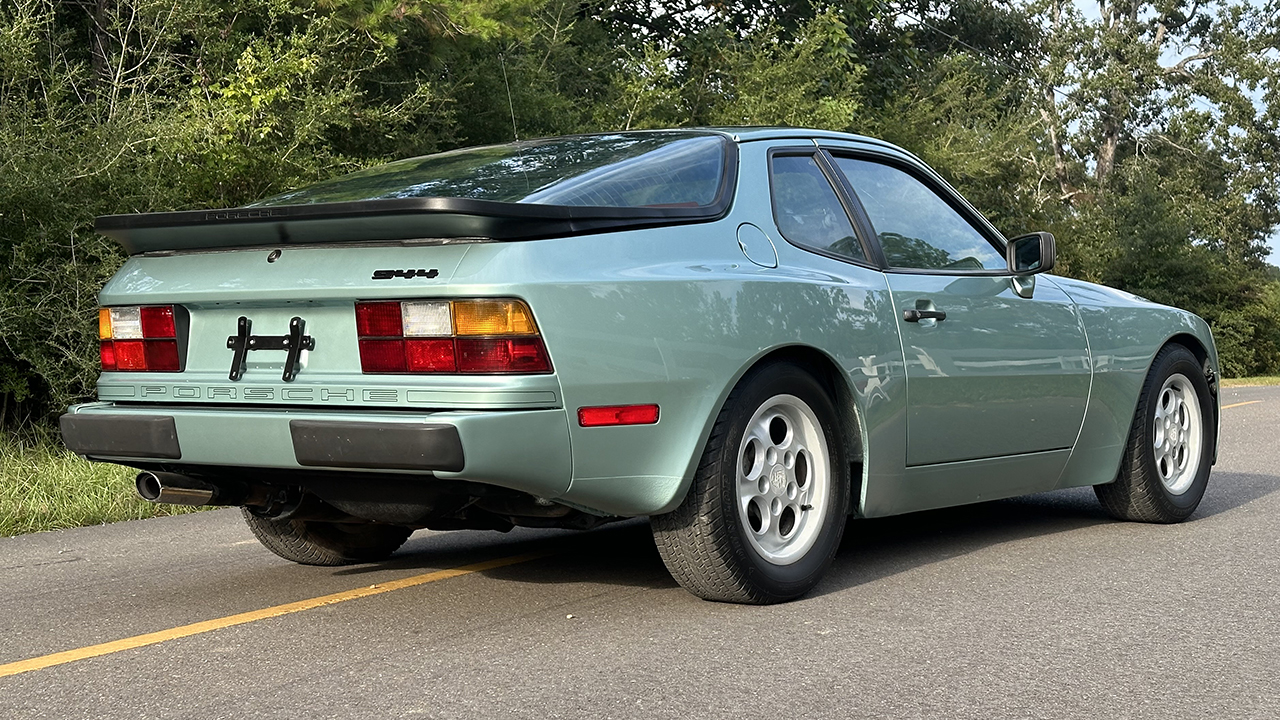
(1166, 463)
(769, 500)
(310, 542)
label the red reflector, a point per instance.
(131, 355)
(157, 322)
(162, 355)
(107, 351)
(430, 355)
(618, 415)
(382, 356)
(378, 319)
(502, 355)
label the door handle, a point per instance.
(918, 315)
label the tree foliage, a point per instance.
(1145, 135)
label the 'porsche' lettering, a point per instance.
(406, 274)
(241, 214)
(348, 395)
(186, 393)
(154, 391)
(297, 394)
(225, 392)
(259, 393)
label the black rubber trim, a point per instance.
(837, 186)
(377, 446)
(135, 436)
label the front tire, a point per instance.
(770, 497)
(1165, 468)
(310, 542)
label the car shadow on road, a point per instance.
(623, 554)
(879, 547)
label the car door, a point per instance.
(997, 367)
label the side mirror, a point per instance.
(1031, 254)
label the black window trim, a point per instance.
(837, 184)
(943, 191)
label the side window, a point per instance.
(807, 210)
(917, 229)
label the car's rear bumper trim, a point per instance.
(137, 436)
(375, 445)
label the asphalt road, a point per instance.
(1034, 607)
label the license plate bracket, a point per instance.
(293, 344)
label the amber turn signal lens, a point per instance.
(492, 317)
(104, 324)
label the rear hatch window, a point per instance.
(630, 170)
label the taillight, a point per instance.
(483, 337)
(138, 339)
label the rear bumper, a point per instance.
(524, 450)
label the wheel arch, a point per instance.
(836, 380)
(1190, 342)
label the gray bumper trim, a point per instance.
(373, 445)
(135, 436)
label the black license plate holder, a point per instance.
(293, 344)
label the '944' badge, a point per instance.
(407, 274)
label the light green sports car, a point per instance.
(746, 334)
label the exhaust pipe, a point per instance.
(162, 487)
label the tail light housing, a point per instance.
(451, 337)
(139, 339)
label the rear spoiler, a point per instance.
(382, 220)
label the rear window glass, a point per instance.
(659, 169)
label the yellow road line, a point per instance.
(1250, 402)
(137, 641)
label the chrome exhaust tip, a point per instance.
(161, 488)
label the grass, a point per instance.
(45, 487)
(1251, 381)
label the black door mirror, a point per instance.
(1031, 254)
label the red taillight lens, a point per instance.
(380, 319)
(618, 415)
(450, 336)
(502, 355)
(107, 351)
(131, 355)
(431, 355)
(157, 323)
(162, 355)
(139, 339)
(382, 356)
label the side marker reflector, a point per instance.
(618, 415)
